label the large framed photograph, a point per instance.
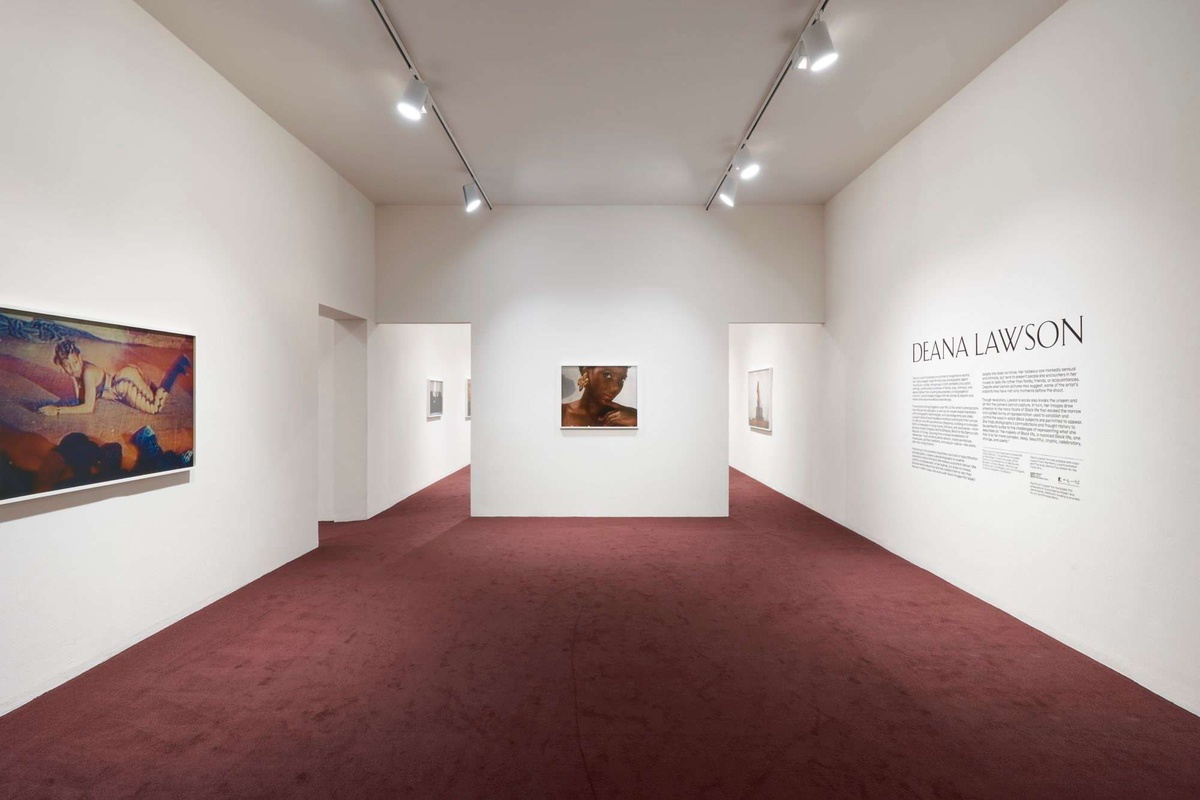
(599, 397)
(759, 395)
(434, 398)
(84, 403)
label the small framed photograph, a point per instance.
(599, 397)
(468, 398)
(434, 399)
(759, 396)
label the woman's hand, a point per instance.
(621, 418)
(49, 411)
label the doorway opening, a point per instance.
(777, 403)
(421, 408)
(341, 416)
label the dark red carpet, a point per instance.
(426, 654)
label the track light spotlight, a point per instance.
(412, 102)
(745, 165)
(800, 56)
(471, 197)
(728, 191)
(813, 51)
(819, 44)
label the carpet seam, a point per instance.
(575, 694)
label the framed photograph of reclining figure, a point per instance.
(599, 397)
(85, 403)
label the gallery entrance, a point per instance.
(777, 385)
(420, 408)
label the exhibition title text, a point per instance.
(1030, 336)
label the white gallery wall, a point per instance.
(326, 419)
(654, 286)
(798, 456)
(1063, 182)
(408, 450)
(342, 370)
(138, 186)
(350, 398)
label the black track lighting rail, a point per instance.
(762, 109)
(412, 69)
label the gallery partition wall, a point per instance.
(342, 415)
(548, 288)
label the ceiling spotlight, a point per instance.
(471, 197)
(745, 165)
(728, 191)
(412, 103)
(800, 56)
(819, 45)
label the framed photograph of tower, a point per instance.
(759, 396)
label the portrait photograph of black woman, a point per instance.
(84, 402)
(599, 397)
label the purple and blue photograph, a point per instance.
(85, 403)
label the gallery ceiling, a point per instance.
(616, 102)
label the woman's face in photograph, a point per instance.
(607, 382)
(72, 365)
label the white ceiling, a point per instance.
(612, 102)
